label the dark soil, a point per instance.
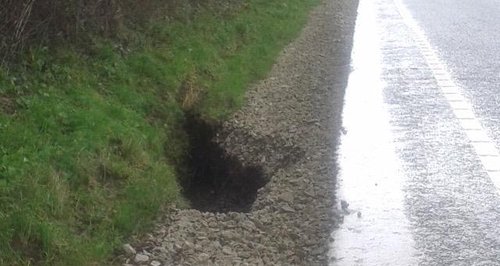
(216, 181)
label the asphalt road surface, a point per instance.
(419, 160)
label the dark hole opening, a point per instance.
(215, 181)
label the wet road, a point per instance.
(419, 160)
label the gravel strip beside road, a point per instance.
(289, 126)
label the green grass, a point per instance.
(89, 142)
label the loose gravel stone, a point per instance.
(287, 208)
(155, 263)
(141, 258)
(227, 250)
(129, 250)
(203, 257)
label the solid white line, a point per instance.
(484, 147)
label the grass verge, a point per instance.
(89, 140)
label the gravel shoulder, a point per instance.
(289, 126)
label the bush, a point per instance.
(27, 22)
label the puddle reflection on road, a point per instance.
(375, 230)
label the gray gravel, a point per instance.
(289, 126)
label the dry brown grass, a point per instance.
(189, 94)
(23, 22)
(7, 105)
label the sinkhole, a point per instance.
(215, 181)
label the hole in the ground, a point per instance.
(217, 182)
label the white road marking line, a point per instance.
(484, 147)
(464, 114)
(460, 106)
(470, 124)
(477, 136)
(495, 177)
(455, 97)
